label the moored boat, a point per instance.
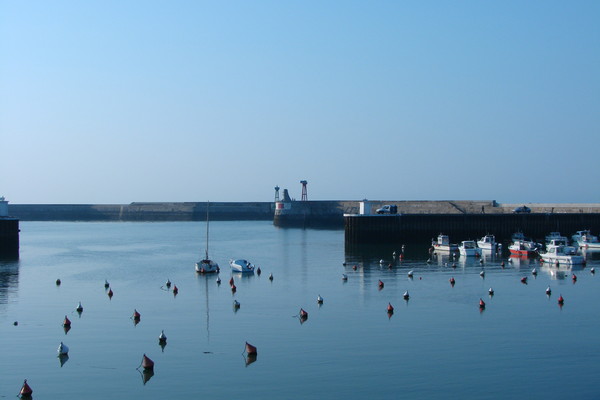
(468, 248)
(556, 238)
(488, 242)
(521, 246)
(443, 244)
(586, 240)
(241, 265)
(207, 265)
(562, 254)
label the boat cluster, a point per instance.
(556, 249)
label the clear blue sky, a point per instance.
(122, 101)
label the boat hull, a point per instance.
(566, 260)
(207, 267)
(241, 266)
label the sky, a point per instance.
(113, 102)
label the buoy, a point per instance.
(344, 277)
(58, 282)
(168, 283)
(106, 284)
(593, 270)
(218, 280)
(251, 350)
(410, 274)
(270, 276)
(428, 260)
(136, 315)
(303, 314)
(258, 271)
(524, 279)
(480, 261)
(233, 288)
(79, 308)
(354, 267)
(381, 262)
(162, 338)
(110, 293)
(380, 284)
(406, 296)
(491, 292)
(390, 308)
(319, 299)
(26, 390)
(502, 264)
(561, 301)
(66, 322)
(548, 291)
(147, 363)
(452, 281)
(231, 281)
(16, 323)
(62, 349)
(481, 304)
(236, 304)
(482, 274)
(534, 272)
(175, 290)
(574, 278)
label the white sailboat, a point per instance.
(207, 265)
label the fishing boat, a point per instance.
(521, 246)
(207, 265)
(586, 240)
(443, 244)
(241, 266)
(468, 248)
(561, 254)
(488, 242)
(555, 238)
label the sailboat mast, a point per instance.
(207, 205)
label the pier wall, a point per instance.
(9, 238)
(138, 211)
(411, 228)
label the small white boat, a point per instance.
(557, 238)
(562, 254)
(468, 248)
(241, 265)
(586, 240)
(443, 244)
(488, 242)
(206, 265)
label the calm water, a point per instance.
(436, 345)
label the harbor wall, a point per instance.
(139, 211)
(9, 238)
(422, 228)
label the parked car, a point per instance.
(387, 209)
(522, 210)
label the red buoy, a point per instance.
(303, 314)
(110, 293)
(136, 315)
(231, 281)
(561, 301)
(380, 284)
(66, 322)
(574, 278)
(390, 308)
(26, 390)
(481, 303)
(524, 279)
(233, 288)
(452, 281)
(251, 350)
(175, 290)
(147, 363)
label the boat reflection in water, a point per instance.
(147, 374)
(250, 358)
(63, 358)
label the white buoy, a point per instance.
(79, 307)
(491, 292)
(236, 304)
(548, 291)
(406, 296)
(162, 338)
(410, 273)
(344, 277)
(62, 349)
(482, 274)
(319, 299)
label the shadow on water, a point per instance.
(9, 278)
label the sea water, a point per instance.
(439, 344)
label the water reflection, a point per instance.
(9, 279)
(146, 374)
(249, 359)
(63, 358)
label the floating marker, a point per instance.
(319, 299)
(524, 280)
(482, 274)
(491, 292)
(147, 363)
(26, 390)
(481, 304)
(236, 304)
(162, 338)
(534, 272)
(452, 281)
(62, 349)
(354, 267)
(271, 277)
(344, 277)
(79, 308)
(175, 290)
(561, 301)
(218, 280)
(303, 314)
(106, 284)
(574, 278)
(548, 291)
(136, 315)
(258, 271)
(231, 281)
(410, 274)
(58, 282)
(233, 288)
(593, 270)
(390, 308)
(380, 284)
(168, 283)
(406, 296)
(66, 322)
(251, 350)
(110, 293)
